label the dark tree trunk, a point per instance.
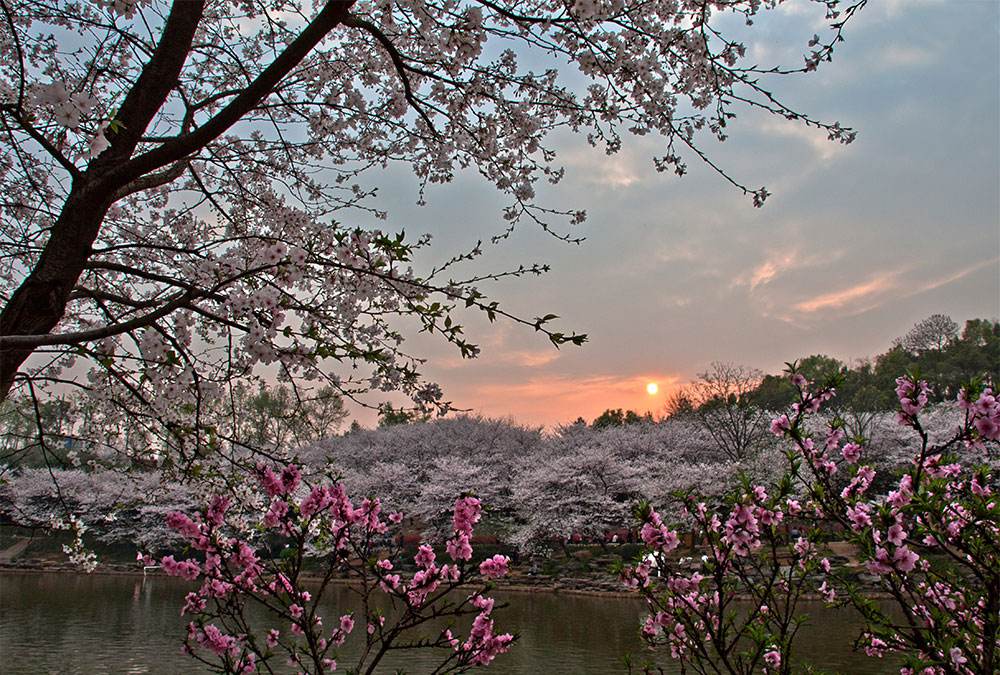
(40, 301)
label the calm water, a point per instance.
(91, 624)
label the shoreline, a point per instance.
(568, 586)
(556, 588)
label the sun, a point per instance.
(652, 388)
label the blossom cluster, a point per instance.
(689, 601)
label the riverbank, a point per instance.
(517, 584)
(585, 572)
(607, 587)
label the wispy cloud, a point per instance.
(851, 296)
(779, 263)
(892, 8)
(620, 170)
(961, 274)
(530, 359)
(522, 358)
(881, 288)
(771, 268)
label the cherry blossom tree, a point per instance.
(584, 493)
(181, 180)
(102, 503)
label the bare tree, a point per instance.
(725, 405)
(935, 332)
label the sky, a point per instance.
(856, 244)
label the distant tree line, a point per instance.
(732, 401)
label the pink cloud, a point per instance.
(848, 296)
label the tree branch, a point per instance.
(152, 180)
(32, 341)
(40, 138)
(158, 78)
(397, 62)
(330, 17)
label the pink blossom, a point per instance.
(773, 659)
(828, 593)
(276, 513)
(390, 582)
(896, 535)
(494, 567)
(290, 477)
(217, 511)
(466, 515)
(804, 548)
(193, 603)
(186, 569)
(875, 647)
(183, 525)
(459, 547)
(851, 453)
(425, 557)
(248, 664)
(659, 538)
(779, 425)
(319, 498)
(859, 516)
(988, 427)
(215, 640)
(904, 559)
(833, 438)
(271, 482)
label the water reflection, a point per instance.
(66, 623)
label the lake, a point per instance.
(93, 624)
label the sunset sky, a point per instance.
(856, 244)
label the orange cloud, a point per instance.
(872, 293)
